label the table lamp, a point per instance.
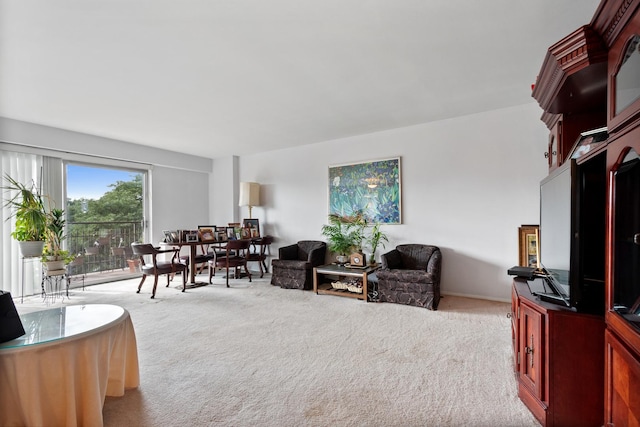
(249, 195)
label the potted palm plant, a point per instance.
(344, 234)
(53, 256)
(30, 216)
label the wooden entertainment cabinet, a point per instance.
(563, 358)
(558, 360)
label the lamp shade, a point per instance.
(249, 194)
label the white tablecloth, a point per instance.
(70, 358)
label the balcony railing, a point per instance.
(102, 246)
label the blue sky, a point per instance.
(91, 182)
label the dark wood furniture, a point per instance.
(589, 79)
(233, 258)
(260, 253)
(157, 267)
(194, 258)
(558, 360)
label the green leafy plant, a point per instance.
(376, 237)
(60, 255)
(54, 237)
(29, 210)
(344, 233)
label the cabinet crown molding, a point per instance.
(579, 57)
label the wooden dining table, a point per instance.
(193, 251)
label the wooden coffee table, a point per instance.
(325, 274)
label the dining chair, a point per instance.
(203, 255)
(234, 258)
(157, 267)
(260, 253)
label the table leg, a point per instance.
(365, 283)
(192, 264)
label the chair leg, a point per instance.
(261, 270)
(169, 278)
(144, 276)
(227, 276)
(155, 285)
(184, 281)
(248, 273)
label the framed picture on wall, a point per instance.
(528, 239)
(371, 187)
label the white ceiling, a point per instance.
(216, 78)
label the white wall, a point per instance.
(179, 182)
(223, 205)
(467, 185)
(180, 200)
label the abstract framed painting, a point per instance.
(371, 187)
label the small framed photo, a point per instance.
(207, 234)
(191, 236)
(169, 236)
(252, 223)
(175, 237)
(231, 233)
(221, 235)
(528, 238)
(245, 233)
(255, 233)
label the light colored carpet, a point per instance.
(258, 355)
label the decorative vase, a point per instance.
(31, 249)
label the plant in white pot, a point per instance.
(53, 256)
(30, 216)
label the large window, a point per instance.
(105, 214)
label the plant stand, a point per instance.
(52, 285)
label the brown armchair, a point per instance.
(410, 274)
(294, 268)
(157, 267)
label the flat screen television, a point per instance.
(555, 232)
(572, 234)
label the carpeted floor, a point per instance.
(258, 355)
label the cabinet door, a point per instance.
(515, 314)
(531, 349)
(622, 389)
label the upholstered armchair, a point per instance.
(294, 268)
(410, 274)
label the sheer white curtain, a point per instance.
(25, 168)
(52, 182)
